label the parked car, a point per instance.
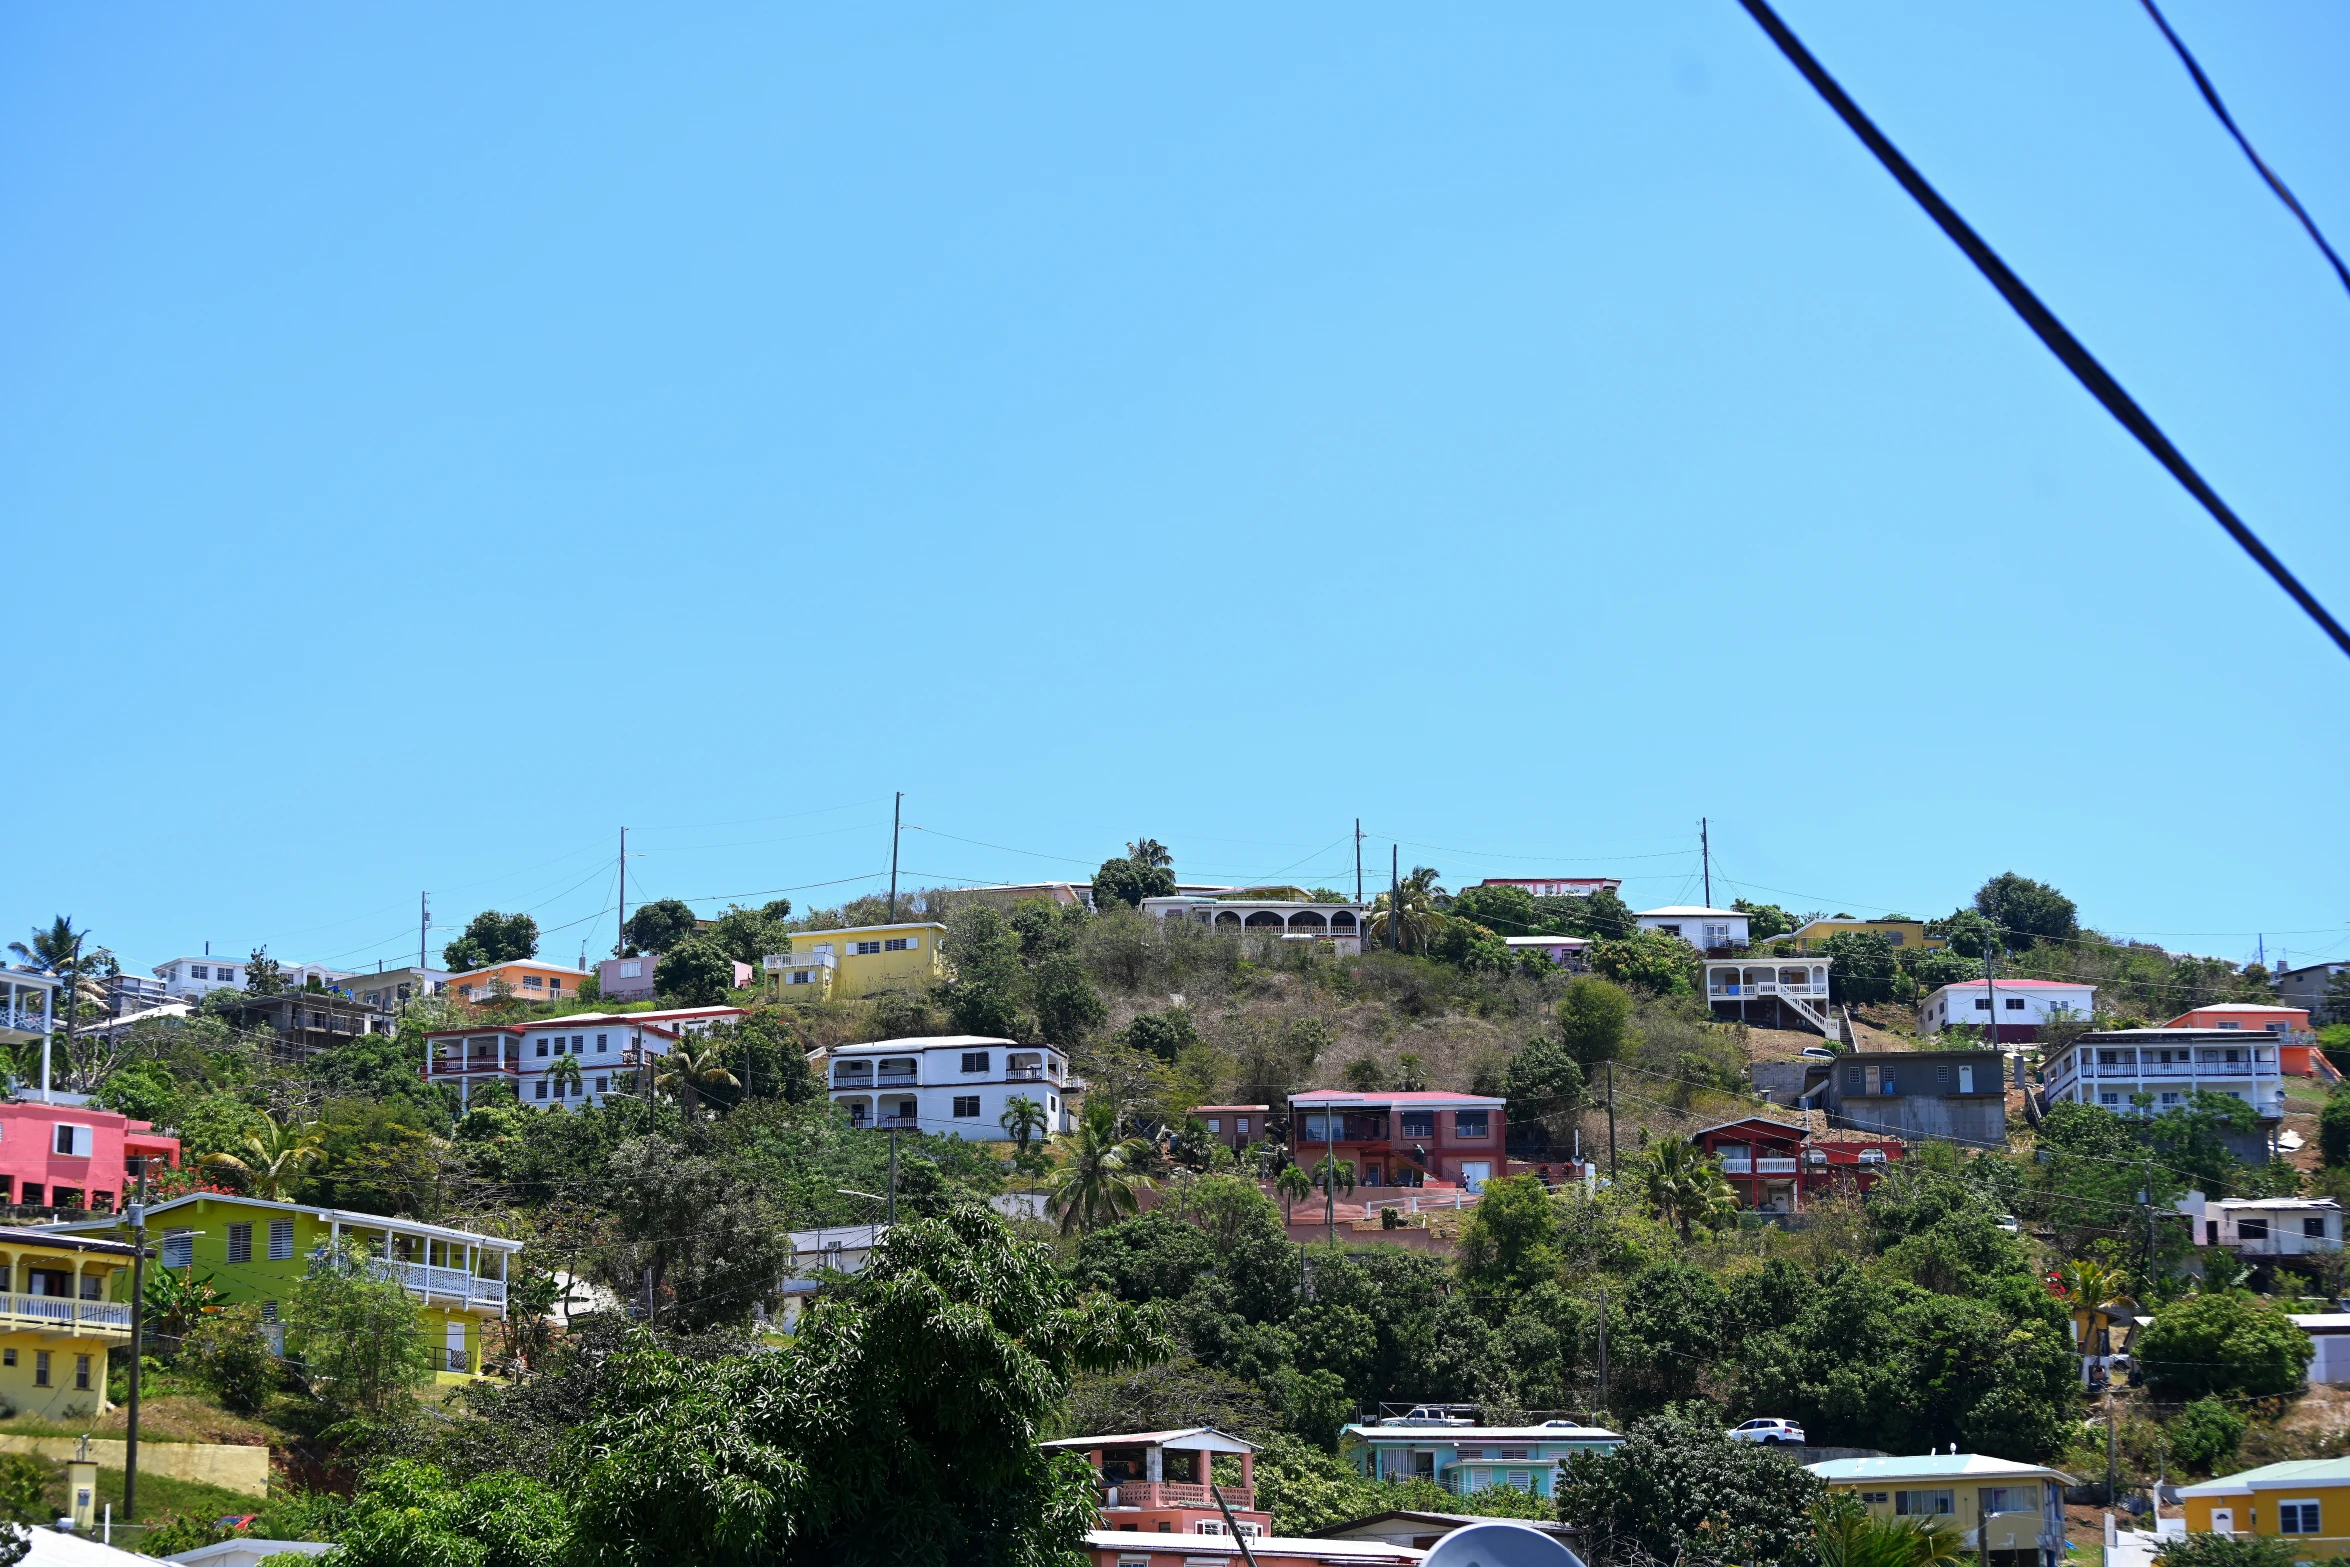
(1768, 1432)
(1819, 1053)
(2009, 1223)
(1431, 1415)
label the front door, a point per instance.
(1966, 1079)
(456, 1346)
(2223, 1520)
(1475, 1173)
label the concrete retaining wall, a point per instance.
(232, 1468)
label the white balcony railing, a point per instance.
(454, 1284)
(1737, 1164)
(1775, 1166)
(52, 1313)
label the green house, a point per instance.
(254, 1250)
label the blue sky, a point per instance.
(431, 439)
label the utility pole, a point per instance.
(893, 1175)
(894, 830)
(1705, 855)
(1358, 859)
(622, 948)
(2110, 1466)
(423, 928)
(1602, 1352)
(1611, 1120)
(130, 1452)
(1991, 991)
(1394, 892)
(1330, 1173)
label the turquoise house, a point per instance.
(1466, 1458)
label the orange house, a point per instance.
(527, 978)
(2289, 1024)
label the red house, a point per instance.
(1776, 1167)
(1401, 1139)
(73, 1156)
(1156, 1482)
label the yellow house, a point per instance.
(838, 965)
(2011, 1514)
(1909, 934)
(56, 1322)
(2306, 1502)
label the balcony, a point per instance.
(1024, 1074)
(1176, 1493)
(903, 1077)
(902, 1122)
(1775, 1165)
(2204, 1068)
(437, 1285)
(453, 1065)
(64, 1314)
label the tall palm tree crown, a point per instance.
(1292, 1183)
(692, 1066)
(1103, 1173)
(1411, 907)
(274, 1159)
(1023, 1120)
(1686, 1188)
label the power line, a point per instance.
(2211, 97)
(2061, 342)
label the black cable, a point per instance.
(2211, 96)
(2039, 318)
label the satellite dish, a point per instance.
(1500, 1545)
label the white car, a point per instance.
(1429, 1415)
(1769, 1432)
(2009, 1223)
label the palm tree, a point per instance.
(564, 1074)
(691, 1066)
(274, 1158)
(65, 953)
(1846, 1534)
(1333, 1175)
(176, 1300)
(1023, 1120)
(1098, 1182)
(1414, 911)
(1152, 853)
(1292, 1183)
(1686, 1188)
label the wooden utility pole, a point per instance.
(1611, 1120)
(130, 1447)
(1705, 856)
(1394, 893)
(895, 812)
(622, 949)
(1358, 859)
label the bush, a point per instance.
(2205, 1434)
(2333, 1128)
(2230, 1343)
(229, 1352)
(2228, 1550)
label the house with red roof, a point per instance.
(1777, 1167)
(1401, 1139)
(2022, 1005)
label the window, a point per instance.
(240, 1243)
(269, 1312)
(2315, 1228)
(1922, 1504)
(228, 975)
(1418, 1123)
(2008, 1499)
(2014, 1003)
(2252, 1229)
(554, 982)
(7, 1357)
(863, 948)
(599, 1085)
(542, 1047)
(1215, 1123)
(1942, 1074)
(632, 969)
(1240, 1125)
(531, 982)
(2298, 1518)
(579, 1044)
(74, 1141)
(81, 1379)
(1982, 1004)
(2109, 1096)
(179, 1251)
(200, 971)
(1875, 1498)
(542, 1089)
(281, 1240)
(894, 944)
(40, 1368)
(600, 1044)
(1852, 1079)
(1469, 1123)
(967, 1107)
(974, 1060)
(800, 976)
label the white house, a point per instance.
(1338, 923)
(2113, 1067)
(394, 988)
(192, 978)
(2024, 1004)
(1703, 928)
(539, 1058)
(953, 1085)
(2265, 1226)
(1565, 951)
(842, 1248)
(1556, 886)
(31, 1005)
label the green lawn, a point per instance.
(159, 1498)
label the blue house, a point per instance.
(1466, 1458)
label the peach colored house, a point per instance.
(527, 979)
(2289, 1024)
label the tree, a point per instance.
(1846, 1534)
(694, 973)
(2206, 1434)
(1294, 1185)
(1334, 1175)
(2226, 1343)
(657, 926)
(1151, 854)
(263, 974)
(66, 953)
(407, 1512)
(1509, 1242)
(274, 1159)
(1862, 966)
(1068, 1008)
(748, 935)
(1128, 880)
(1970, 935)
(1506, 911)
(984, 996)
(2336, 1006)
(24, 1486)
(1165, 1035)
(1410, 908)
(901, 1426)
(1023, 1120)
(1649, 960)
(228, 1351)
(355, 1334)
(1593, 1014)
(690, 1068)
(1765, 920)
(490, 938)
(1685, 1188)
(2333, 1128)
(565, 1075)
(2228, 1550)
(2027, 912)
(712, 1243)
(176, 1302)
(1545, 1089)
(1679, 1490)
(1103, 1172)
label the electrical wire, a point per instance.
(2211, 97)
(2060, 341)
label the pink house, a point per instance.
(74, 1156)
(2290, 1025)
